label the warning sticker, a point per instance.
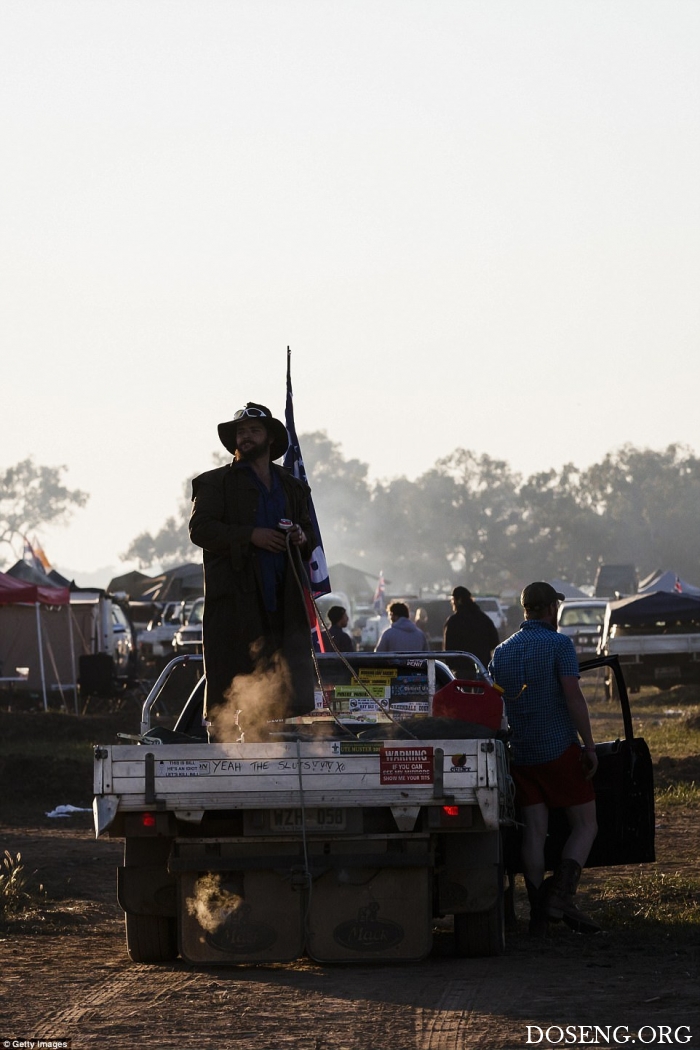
(406, 765)
(182, 767)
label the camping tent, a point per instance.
(21, 595)
(667, 581)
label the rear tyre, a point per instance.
(482, 933)
(151, 938)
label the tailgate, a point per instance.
(328, 773)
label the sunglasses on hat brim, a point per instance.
(249, 413)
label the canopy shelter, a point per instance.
(567, 589)
(661, 580)
(16, 592)
(659, 607)
(132, 583)
(13, 591)
(179, 584)
(356, 583)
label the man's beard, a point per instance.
(253, 452)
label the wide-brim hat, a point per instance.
(261, 413)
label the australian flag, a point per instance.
(379, 601)
(316, 567)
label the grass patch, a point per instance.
(16, 892)
(669, 721)
(682, 793)
(52, 732)
(670, 737)
(651, 898)
(674, 735)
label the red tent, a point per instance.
(15, 592)
(19, 592)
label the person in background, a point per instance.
(469, 629)
(552, 768)
(402, 635)
(421, 621)
(336, 632)
(254, 608)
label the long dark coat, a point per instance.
(470, 630)
(223, 518)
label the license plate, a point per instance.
(667, 672)
(318, 818)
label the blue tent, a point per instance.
(661, 580)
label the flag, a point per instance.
(39, 553)
(317, 567)
(33, 555)
(379, 601)
(678, 586)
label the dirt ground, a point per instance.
(65, 973)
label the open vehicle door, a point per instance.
(624, 782)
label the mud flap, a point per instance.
(370, 915)
(469, 879)
(228, 917)
(146, 890)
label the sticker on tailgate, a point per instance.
(355, 747)
(406, 765)
(182, 767)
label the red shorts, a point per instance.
(559, 784)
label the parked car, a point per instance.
(371, 630)
(495, 610)
(155, 642)
(105, 637)
(656, 637)
(188, 638)
(582, 620)
(122, 641)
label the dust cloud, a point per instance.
(253, 700)
(212, 903)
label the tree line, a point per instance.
(473, 519)
(469, 519)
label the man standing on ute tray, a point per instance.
(537, 669)
(254, 607)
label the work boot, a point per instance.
(538, 920)
(559, 900)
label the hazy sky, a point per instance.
(476, 223)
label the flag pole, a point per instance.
(41, 654)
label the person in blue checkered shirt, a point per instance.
(554, 757)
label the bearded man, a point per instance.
(254, 609)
